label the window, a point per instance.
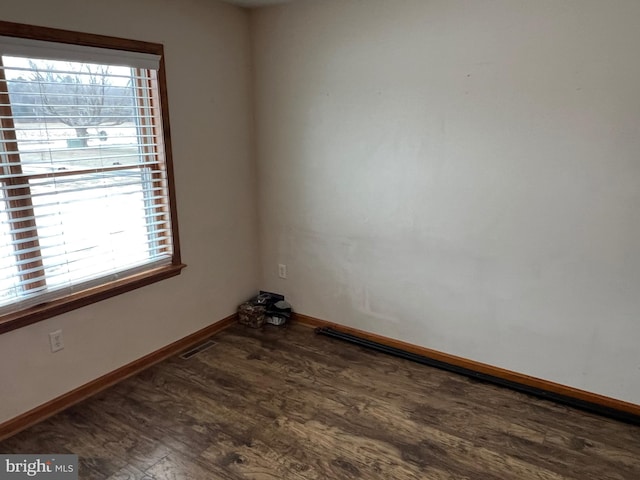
(86, 189)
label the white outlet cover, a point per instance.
(56, 341)
(282, 270)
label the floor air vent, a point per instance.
(197, 349)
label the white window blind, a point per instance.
(83, 181)
(23, 47)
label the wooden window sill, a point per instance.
(22, 318)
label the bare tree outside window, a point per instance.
(82, 97)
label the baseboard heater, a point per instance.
(537, 392)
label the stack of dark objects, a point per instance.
(264, 308)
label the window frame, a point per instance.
(48, 309)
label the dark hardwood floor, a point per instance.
(283, 403)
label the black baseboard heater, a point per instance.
(537, 392)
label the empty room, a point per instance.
(320, 239)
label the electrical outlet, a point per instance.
(282, 270)
(56, 341)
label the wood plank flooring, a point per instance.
(283, 403)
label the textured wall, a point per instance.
(461, 175)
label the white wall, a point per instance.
(462, 175)
(207, 60)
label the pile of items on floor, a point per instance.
(269, 308)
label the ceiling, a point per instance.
(255, 3)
